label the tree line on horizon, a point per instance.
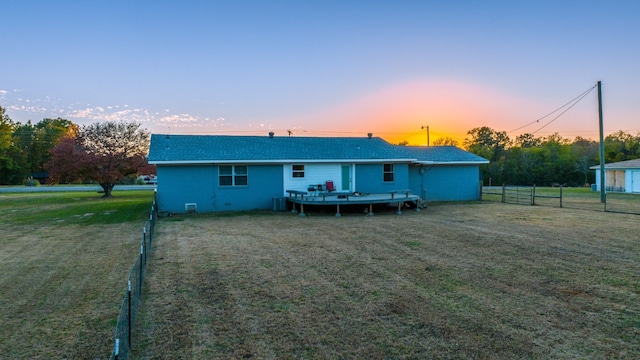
(60, 151)
(546, 161)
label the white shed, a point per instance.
(623, 176)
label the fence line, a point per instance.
(133, 293)
(625, 203)
(519, 194)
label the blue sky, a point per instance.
(323, 68)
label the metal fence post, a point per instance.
(152, 225)
(129, 310)
(533, 195)
(144, 243)
(560, 196)
(504, 190)
(140, 277)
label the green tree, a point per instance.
(586, 153)
(22, 142)
(491, 145)
(522, 166)
(32, 144)
(6, 129)
(530, 160)
(48, 133)
(558, 162)
(527, 141)
(7, 165)
(621, 146)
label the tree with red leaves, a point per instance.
(103, 152)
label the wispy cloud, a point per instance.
(22, 108)
(179, 118)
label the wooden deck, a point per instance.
(336, 199)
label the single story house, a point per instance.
(623, 176)
(209, 173)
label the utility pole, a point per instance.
(603, 194)
(427, 127)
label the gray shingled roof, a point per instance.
(443, 154)
(216, 148)
(185, 148)
(628, 164)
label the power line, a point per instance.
(410, 135)
(569, 108)
(573, 102)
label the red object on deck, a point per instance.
(330, 186)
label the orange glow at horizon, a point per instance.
(399, 113)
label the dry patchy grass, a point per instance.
(60, 289)
(64, 272)
(453, 281)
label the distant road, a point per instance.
(54, 188)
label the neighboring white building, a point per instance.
(623, 176)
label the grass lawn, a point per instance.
(479, 280)
(64, 261)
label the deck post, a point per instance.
(338, 211)
(294, 211)
(370, 210)
(302, 210)
(399, 212)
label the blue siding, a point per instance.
(198, 184)
(369, 178)
(446, 182)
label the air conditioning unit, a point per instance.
(190, 208)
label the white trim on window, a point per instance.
(387, 173)
(233, 175)
(297, 171)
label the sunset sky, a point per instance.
(325, 68)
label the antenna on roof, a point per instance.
(290, 132)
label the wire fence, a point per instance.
(133, 293)
(573, 198)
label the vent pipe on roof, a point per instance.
(271, 134)
(370, 135)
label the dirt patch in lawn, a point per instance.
(468, 281)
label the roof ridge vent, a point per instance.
(271, 134)
(369, 135)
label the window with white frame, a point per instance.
(387, 172)
(233, 175)
(298, 171)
